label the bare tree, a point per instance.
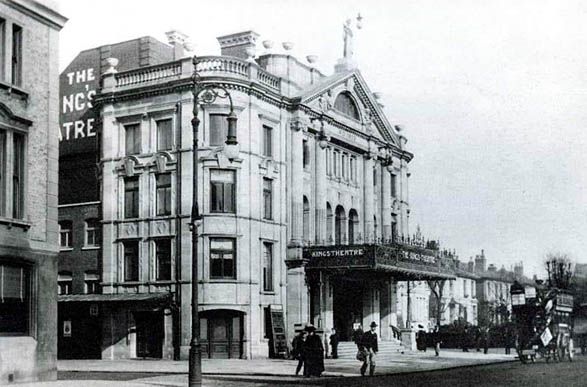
(560, 270)
(437, 289)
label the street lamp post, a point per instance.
(203, 93)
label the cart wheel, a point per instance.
(523, 359)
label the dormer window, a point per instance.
(345, 104)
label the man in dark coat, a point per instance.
(297, 346)
(313, 353)
(358, 336)
(369, 343)
(436, 341)
(334, 343)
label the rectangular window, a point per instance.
(222, 258)
(2, 49)
(267, 322)
(64, 283)
(92, 283)
(218, 129)
(131, 197)
(353, 168)
(267, 141)
(222, 191)
(164, 135)
(163, 256)
(344, 166)
(18, 176)
(393, 185)
(2, 171)
(93, 234)
(163, 194)
(131, 261)
(267, 266)
(328, 163)
(132, 139)
(267, 198)
(16, 55)
(65, 234)
(14, 300)
(335, 162)
(305, 154)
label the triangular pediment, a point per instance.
(371, 119)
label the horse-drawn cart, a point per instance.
(544, 323)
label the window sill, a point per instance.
(91, 247)
(222, 280)
(268, 292)
(66, 249)
(162, 282)
(13, 89)
(10, 222)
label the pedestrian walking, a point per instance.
(369, 343)
(313, 353)
(297, 345)
(436, 341)
(358, 336)
(485, 339)
(509, 339)
(421, 338)
(334, 343)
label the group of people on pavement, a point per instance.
(308, 350)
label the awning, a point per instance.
(405, 262)
(123, 297)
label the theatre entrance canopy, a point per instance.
(400, 261)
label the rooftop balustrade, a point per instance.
(207, 66)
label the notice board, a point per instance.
(278, 331)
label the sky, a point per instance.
(491, 94)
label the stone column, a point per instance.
(320, 201)
(368, 197)
(371, 308)
(385, 203)
(385, 306)
(297, 183)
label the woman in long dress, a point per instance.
(313, 351)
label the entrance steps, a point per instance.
(348, 349)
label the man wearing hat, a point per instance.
(369, 342)
(313, 353)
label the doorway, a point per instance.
(222, 334)
(347, 307)
(149, 334)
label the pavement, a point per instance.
(268, 371)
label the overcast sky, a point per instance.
(492, 95)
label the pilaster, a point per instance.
(368, 197)
(320, 201)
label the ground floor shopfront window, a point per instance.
(15, 303)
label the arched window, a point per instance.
(339, 224)
(306, 220)
(345, 104)
(329, 221)
(353, 226)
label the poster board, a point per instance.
(278, 336)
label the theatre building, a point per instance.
(29, 92)
(308, 223)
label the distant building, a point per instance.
(81, 307)
(493, 289)
(29, 92)
(459, 301)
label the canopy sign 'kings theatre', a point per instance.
(310, 214)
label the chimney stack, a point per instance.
(239, 45)
(178, 40)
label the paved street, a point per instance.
(502, 374)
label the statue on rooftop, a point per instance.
(348, 40)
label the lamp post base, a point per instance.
(195, 366)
